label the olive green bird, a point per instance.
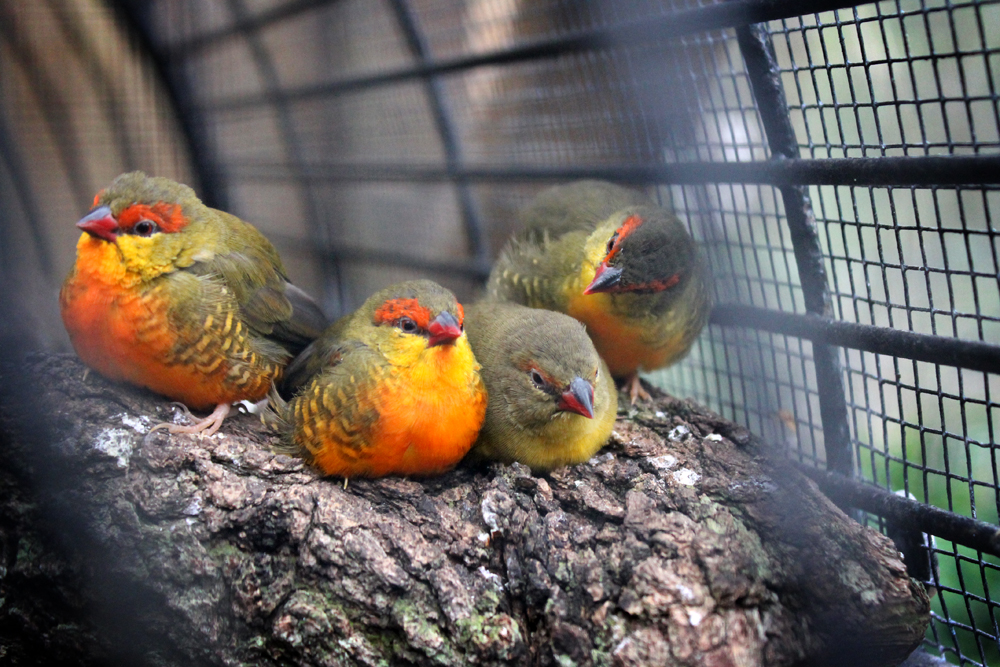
(614, 260)
(191, 302)
(552, 401)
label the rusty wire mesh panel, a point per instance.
(839, 168)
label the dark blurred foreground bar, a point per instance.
(930, 170)
(973, 355)
(963, 530)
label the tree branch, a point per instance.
(680, 543)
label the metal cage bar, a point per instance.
(265, 66)
(242, 26)
(758, 54)
(927, 170)
(446, 129)
(137, 18)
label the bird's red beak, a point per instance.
(444, 329)
(579, 398)
(606, 279)
(100, 224)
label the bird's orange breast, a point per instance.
(426, 417)
(123, 330)
(625, 346)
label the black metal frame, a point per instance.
(887, 171)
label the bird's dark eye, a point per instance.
(406, 325)
(611, 242)
(537, 379)
(145, 228)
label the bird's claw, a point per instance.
(183, 408)
(207, 426)
(635, 389)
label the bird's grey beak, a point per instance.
(579, 398)
(99, 223)
(605, 280)
(444, 329)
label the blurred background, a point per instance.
(379, 140)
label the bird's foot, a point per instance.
(207, 426)
(635, 389)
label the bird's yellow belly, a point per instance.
(569, 440)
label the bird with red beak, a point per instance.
(552, 401)
(392, 388)
(614, 260)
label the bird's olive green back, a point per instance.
(534, 272)
(580, 205)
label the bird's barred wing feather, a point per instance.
(268, 303)
(339, 405)
(534, 272)
(210, 334)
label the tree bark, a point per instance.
(684, 542)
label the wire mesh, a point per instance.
(378, 141)
(78, 105)
(912, 79)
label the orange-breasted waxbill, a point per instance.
(392, 388)
(191, 302)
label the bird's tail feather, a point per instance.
(275, 416)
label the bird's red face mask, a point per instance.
(624, 268)
(138, 220)
(410, 317)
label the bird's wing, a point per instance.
(340, 401)
(319, 354)
(268, 303)
(305, 323)
(534, 273)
